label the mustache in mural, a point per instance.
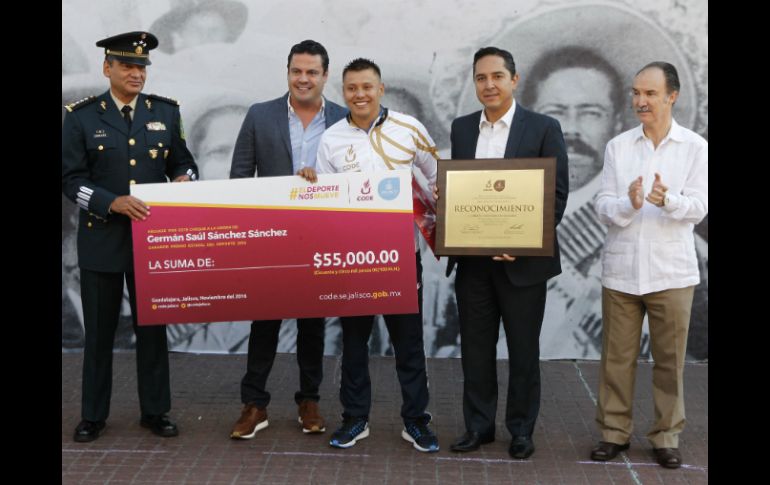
(576, 145)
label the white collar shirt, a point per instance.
(493, 137)
(120, 104)
(653, 249)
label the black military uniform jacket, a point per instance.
(100, 159)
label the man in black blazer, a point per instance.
(513, 288)
(110, 142)
(280, 137)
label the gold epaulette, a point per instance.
(163, 98)
(80, 103)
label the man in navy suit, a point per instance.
(280, 137)
(513, 288)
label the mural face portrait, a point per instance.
(635, 41)
(212, 140)
(198, 22)
(203, 28)
(403, 99)
(579, 98)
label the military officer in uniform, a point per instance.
(109, 142)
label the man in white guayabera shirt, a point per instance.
(654, 191)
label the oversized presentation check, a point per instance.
(275, 247)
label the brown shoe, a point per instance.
(605, 450)
(668, 457)
(310, 418)
(252, 420)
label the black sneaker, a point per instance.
(421, 437)
(352, 430)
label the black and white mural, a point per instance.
(576, 60)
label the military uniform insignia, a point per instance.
(79, 103)
(163, 98)
(103, 104)
(181, 129)
(131, 47)
(165, 153)
(148, 103)
(100, 133)
(156, 126)
(153, 153)
(140, 44)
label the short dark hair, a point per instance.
(566, 58)
(310, 47)
(669, 72)
(495, 51)
(361, 64)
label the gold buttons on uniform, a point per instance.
(101, 147)
(160, 145)
(131, 141)
(132, 162)
(132, 181)
(90, 224)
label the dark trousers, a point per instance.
(405, 332)
(484, 295)
(102, 296)
(263, 343)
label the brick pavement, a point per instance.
(205, 404)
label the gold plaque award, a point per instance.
(490, 207)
